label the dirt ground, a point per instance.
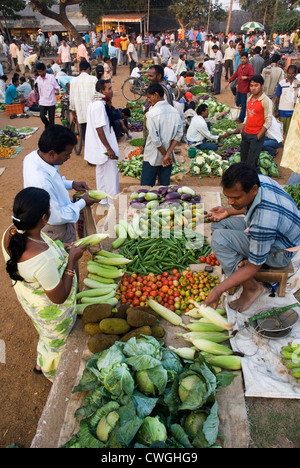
(24, 393)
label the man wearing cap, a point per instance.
(186, 99)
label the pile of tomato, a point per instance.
(210, 259)
(171, 290)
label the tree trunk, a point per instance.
(61, 17)
(229, 17)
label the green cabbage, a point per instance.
(152, 430)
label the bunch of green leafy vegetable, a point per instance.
(294, 192)
(197, 90)
(142, 394)
(136, 111)
(134, 167)
(223, 125)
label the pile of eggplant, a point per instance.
(164, 195)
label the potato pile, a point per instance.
(105, 324)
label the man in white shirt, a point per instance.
(170, 75)
(165, 130)
(198, 133)
(132, 55)
(209, 67)
(229, 60)
(40, 169)
(136, 72)
(181, 65)
(164, 53)
(54, 41)
(55, 67)
(274, 138)
(64, 52)
(139, 41)
(218, 70)
(101, 146)
(82, 89)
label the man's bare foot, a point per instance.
(248, 296)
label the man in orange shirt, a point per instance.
(13, 50)
(258, 120)
(82, 52)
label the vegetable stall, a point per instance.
(154, 366)
(153, 378)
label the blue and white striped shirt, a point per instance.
(273, 221)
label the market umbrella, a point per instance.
(252, 26)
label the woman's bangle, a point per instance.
(69, 272)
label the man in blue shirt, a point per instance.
(268, 233)
(113, 55)
(24, 87)
(11, 95)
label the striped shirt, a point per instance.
(273, 223)
(287, 93)
(82, 89)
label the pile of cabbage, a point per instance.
(214, 107)
(208, 163)
(266, 163)
(142, 394)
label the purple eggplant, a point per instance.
(142, 191)
(172, 196)
(163, 190)
(186, 197)
(141, 199)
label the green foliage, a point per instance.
(12, 7)
(117, 414)
(195, 12)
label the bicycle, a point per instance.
(70, 122)
(134, 89)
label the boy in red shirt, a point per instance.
(258, 120)
(243, 75)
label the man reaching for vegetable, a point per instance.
(268, 233)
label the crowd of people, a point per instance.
(39, 247)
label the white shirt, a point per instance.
(209, 67)
(131, 49)
(198, 130)
(136, 72)
(82, 89)
(164, 125)
(56, 68)
(94, 150)
(218, 57)
(165, 54)
(274, 132)
(229, 53)
(170, 75)
(139, 39)
(181, 66)
(38, 173)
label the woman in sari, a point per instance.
(43, 276)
